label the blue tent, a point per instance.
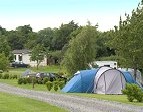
(82, 82)
(104, 80)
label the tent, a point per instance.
(103, 80)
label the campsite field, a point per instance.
(41, 87)
(13, 103)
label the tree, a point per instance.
(103, 49)
(81, 50)
(45, 37)
(37, 54)
(62, 35)
(128, 40)
(4, 47)
(15, 40)
(3, 62)
(24, 29)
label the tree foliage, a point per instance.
(128, 39)
(81, 50)
(4, 62)
(37, 54)
(4, 46)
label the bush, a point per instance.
(6, 76)
(29, 80)
(10, 76)
(56, 85)
(49, 85)
(20, 80)
(39, 81)
(1, 71)
(1, 76)
(61, 84)
(133, 92)
(14, 76)
(46, 79)
(24, 80)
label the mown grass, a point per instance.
(51, 68)
(19, 71)
(117, 98)
(13, 103)
(14, 82)
(42, 87)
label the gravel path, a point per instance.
(72, 103)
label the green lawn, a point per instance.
(42, 87)
(117, 98)
(13, 103)
(52, 68)
(38, 87)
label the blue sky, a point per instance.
(51, 13)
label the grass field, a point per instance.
(117, 98)
(38, 87)
(12, 103)
(52, 68)
(42, 87)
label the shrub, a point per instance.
(6, 76)
(34, 80)
(39, 81)
(56, 85)
(46, 79)
(10, 76)
(133, 92)
(20, 80)
(1, 75)
(14, 76)
(29, 80)
(61, 84)
(24, 80)
(49, 85)
(1, 71)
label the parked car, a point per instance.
(51, 76)
(19, 64)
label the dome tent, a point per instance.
(82, 82)
(104, 80)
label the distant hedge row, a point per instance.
(29, 80)
(55, 85)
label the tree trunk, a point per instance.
(135, 73)
(37, 65)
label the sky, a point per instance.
(52, 13)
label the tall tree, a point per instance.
(81, 50)
(45, 37)
(62, 35)
(128, 40)
(4, 46)
(15, 40)
(4, 62)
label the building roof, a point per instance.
(22, 51)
